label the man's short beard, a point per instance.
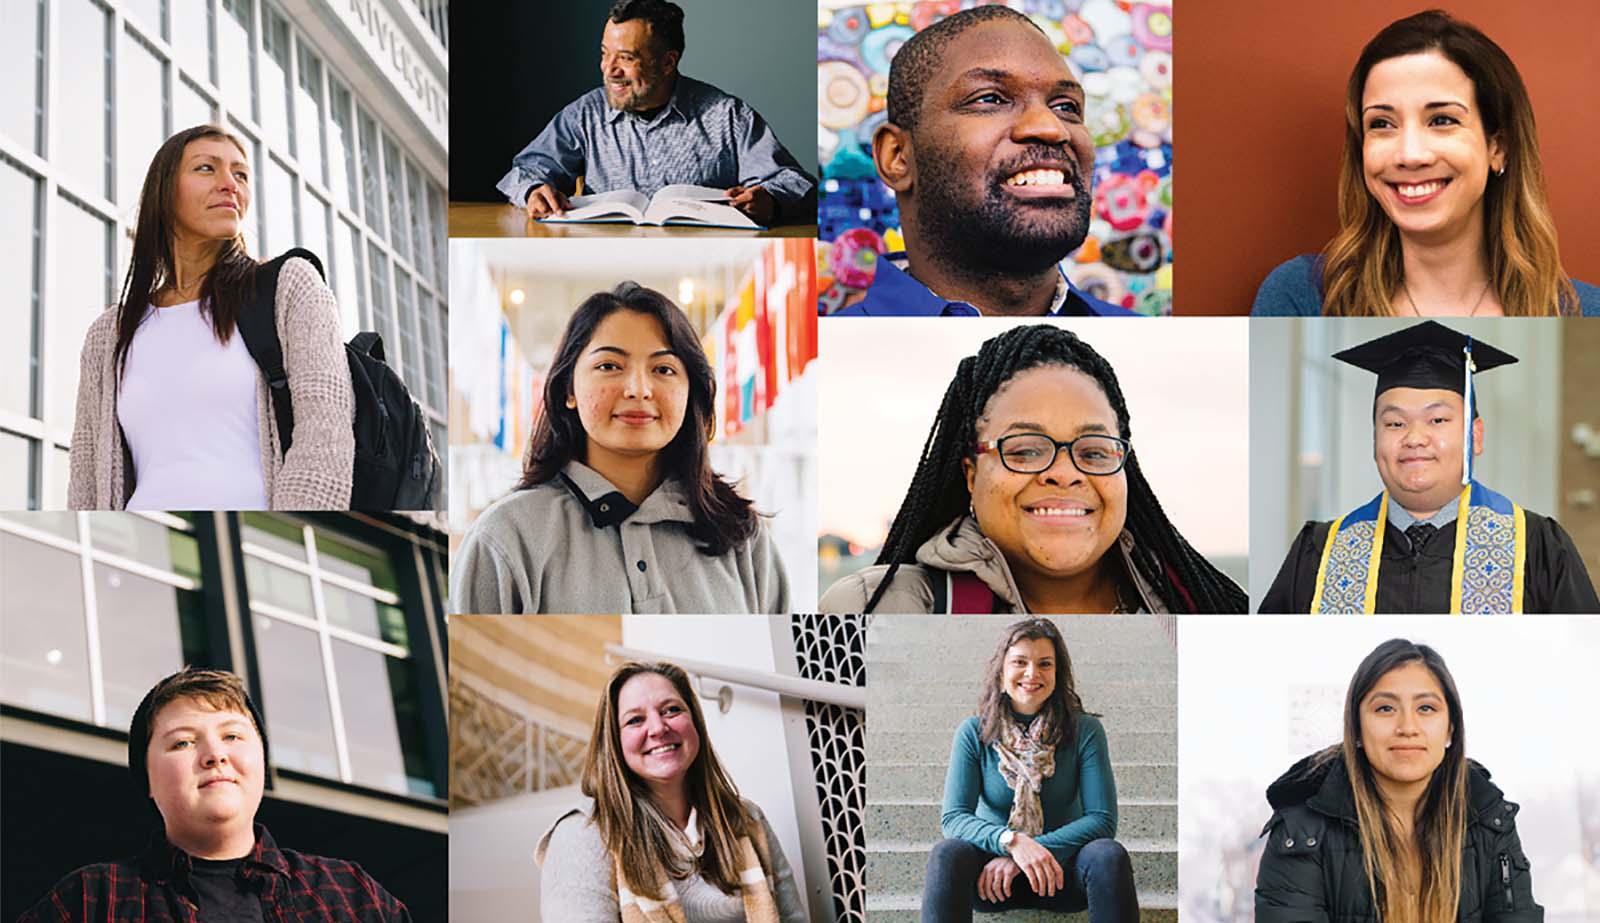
(993, 236)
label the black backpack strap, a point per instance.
(258, 326)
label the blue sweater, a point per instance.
(1079, 801)
(1295, 289)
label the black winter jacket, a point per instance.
(1312, 869)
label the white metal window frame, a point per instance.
(52, 429)
(325, 631)
(88, 556)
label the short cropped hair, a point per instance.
(914, 64)
(664, 16)
(219, 689)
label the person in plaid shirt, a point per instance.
(196, 748)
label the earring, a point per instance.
(572, 402)
(1447, 744)
(1500, 172)
(1358, 745)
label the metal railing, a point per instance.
(814, 690)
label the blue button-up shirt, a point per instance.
(702, 136)
(894, 293)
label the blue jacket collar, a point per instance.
(894, 293)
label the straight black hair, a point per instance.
(722, 518)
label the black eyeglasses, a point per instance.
(1031, 453)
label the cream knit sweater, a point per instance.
(315, 475)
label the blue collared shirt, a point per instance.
(702, 136)
(894, 293)
(1403, 520)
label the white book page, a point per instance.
(663, 210)
(624, 202)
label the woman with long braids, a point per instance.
(663, 836)
(172, 411)
(618, 509)
(1030, 803)
(1394, 823)
(1443, 207)
(1029, 498)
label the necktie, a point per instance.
(1418, 534)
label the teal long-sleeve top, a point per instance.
(1079, 801)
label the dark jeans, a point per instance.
(1100, 878)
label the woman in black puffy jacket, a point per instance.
(1395, 823)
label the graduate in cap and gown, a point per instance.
(1436, 539)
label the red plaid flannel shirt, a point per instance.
(154, 888)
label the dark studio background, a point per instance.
(513, 66)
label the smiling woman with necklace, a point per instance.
(1029, 498)
(619, 509)
(172, 411)
(1394, 823)
(1442, 201)
(665, 836)
(1030, 803)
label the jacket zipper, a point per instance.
(1505, 880)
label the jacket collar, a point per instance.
(607, 506)
(1321, 783)
(895, 293)
(163, 862)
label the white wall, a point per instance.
(1528, 688)
(493, 878)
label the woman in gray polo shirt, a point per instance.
(618, 509)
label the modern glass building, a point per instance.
(343, 104)
(334, 621)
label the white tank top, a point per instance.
(187, 405)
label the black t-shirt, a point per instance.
(223, 898)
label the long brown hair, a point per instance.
(633, 833)
(226, 288)
(722, 519)
(1362, 267)
(1060, 711)
(1440, 830)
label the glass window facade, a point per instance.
(330, 177)
(334, 617)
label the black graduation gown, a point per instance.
(1555, 579)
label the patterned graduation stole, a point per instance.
(1486, 574)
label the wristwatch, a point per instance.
(1007, 838)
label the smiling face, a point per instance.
(1002, 160)
(1059, 522)
(1417, 446)
(1028, 674)
(637, 71)
(1405, 724)
(658, 736)
(629, 388)
(212, 192)
(1424, 154)
(206, 768)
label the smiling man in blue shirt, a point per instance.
(986, 150)
(649, 126)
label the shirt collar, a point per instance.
(896, 293)
(607, 506)
(678, 102)
(1403, 520)
(166, 862)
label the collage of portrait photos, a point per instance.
(483, 462)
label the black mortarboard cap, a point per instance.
(1425, 355)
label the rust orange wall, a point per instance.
(1259, 93)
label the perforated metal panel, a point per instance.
(831, 648)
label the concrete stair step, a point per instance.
(898, 867)
(1152, 688)
(925, 781)
(1154, 907)
(942, 719)
(923, 747)
(1087, 672)
(919, 820)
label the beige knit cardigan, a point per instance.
(315, 475)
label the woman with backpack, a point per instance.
(173, 412)
(1029, 498)
(618, 509)
(1394, 823)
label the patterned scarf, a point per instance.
(1025, 762)
(687, 846)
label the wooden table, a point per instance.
(478, 219)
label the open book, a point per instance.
(684, 204)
